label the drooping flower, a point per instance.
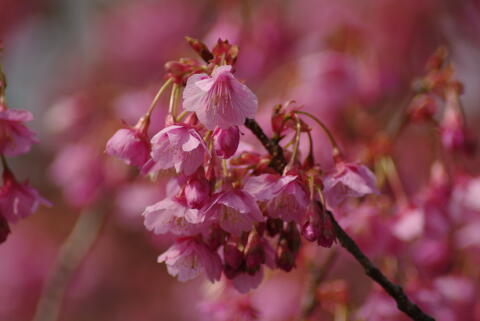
(226, 141)
(285, 196)
(219, 100)
(348, 180)
(171, 216)
(235, 211)
(15, 137)
(189, 257)
(18, 200)
(178, 146)
(319, 226)
(130, 145)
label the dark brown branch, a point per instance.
(395, 291)
(278, 161)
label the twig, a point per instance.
(318, 274)
(404, 304)
(71, 254)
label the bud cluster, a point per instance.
(231, 212)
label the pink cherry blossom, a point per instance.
(219, 100)
(130, 145)
(171, 216)
(285, 196)
(235, 210)
(178, 146)
(18, 200)
(348, 180)
(15, 137)
(226, 141)
(187, 258)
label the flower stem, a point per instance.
(395, 291)
(157, 97)
(296, 144)
(333, 142)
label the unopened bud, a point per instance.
(284, 257)
(200, 48)
(254, 253)
(233, 260)
(226, 141)
(4, 229)
(274, 226)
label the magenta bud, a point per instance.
(284, 258)
(216, 238)
(292, 235)
(4, 229)
(226, 141)
(254, 253)
(274, 226)
(310, 232)
(233, 260)
(197, 192)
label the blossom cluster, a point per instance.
(17, 199)
(231, 211)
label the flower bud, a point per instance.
(233, 260)
(254, 253)
(284, 257)
(274, 226)
(216, 238)
(226, 141)
(197, 192)
(4, 229)
(292, 235)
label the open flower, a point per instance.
(189, 257)
(178, 146)
(235, 210)
(219, 100)
(18, 200)
(171, 216)
(348, 180)
(285, 197)
(15, 137)
(130, 145)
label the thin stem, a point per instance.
(157, 97)
(182, 115)
(317, 275)
(391, 172)
(71, 254)
(296, 144)
(404, 304)
(4, 163)
(336, 149)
